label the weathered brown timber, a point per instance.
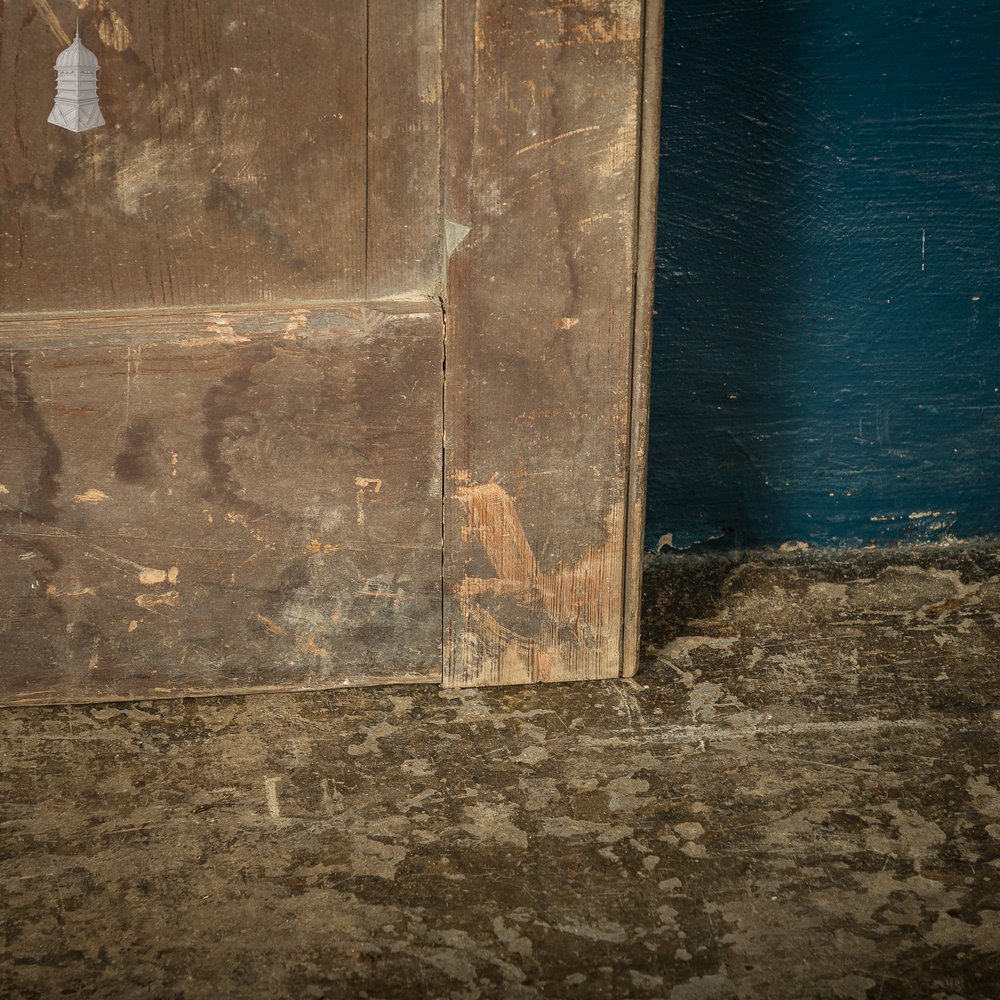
(225, 174)
(338, 284)
(242, 508)
(649, 174)
(543, 106)
(404, 149)
(240, 159)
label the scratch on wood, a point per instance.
(364, 484)
(541, 144)
(391, 594)
(105, 556)
(272, 627)
(133, 361)
(54, 592)
(309, 644)
(52, 21)
(171, 599)
(97, 552)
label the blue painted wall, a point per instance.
(827, 338)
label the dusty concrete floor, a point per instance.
(798, 797)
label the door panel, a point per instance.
(540, 337)
(201, 490)
(404, 245)
(230, 170)
(230, 459)
(247, 145)
(254, 507)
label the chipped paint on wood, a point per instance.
(89, 496)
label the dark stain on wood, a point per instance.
(217, 548)
(276, 336)
(46, 466)
(228, 416)
(133, 462)
(223, 197)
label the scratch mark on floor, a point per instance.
(271, 791)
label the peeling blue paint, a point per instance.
(827, 338)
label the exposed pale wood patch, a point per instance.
(535, 625)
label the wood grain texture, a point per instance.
(230, 170)
(649, 174)
(404, 249)
(225, 408)
(240, 160)
(540, 321)
(256, 511)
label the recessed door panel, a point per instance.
(246, 146)
(222, 347)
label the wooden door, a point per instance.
(222, 428)
(321, 355)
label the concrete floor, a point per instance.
(798, 797)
